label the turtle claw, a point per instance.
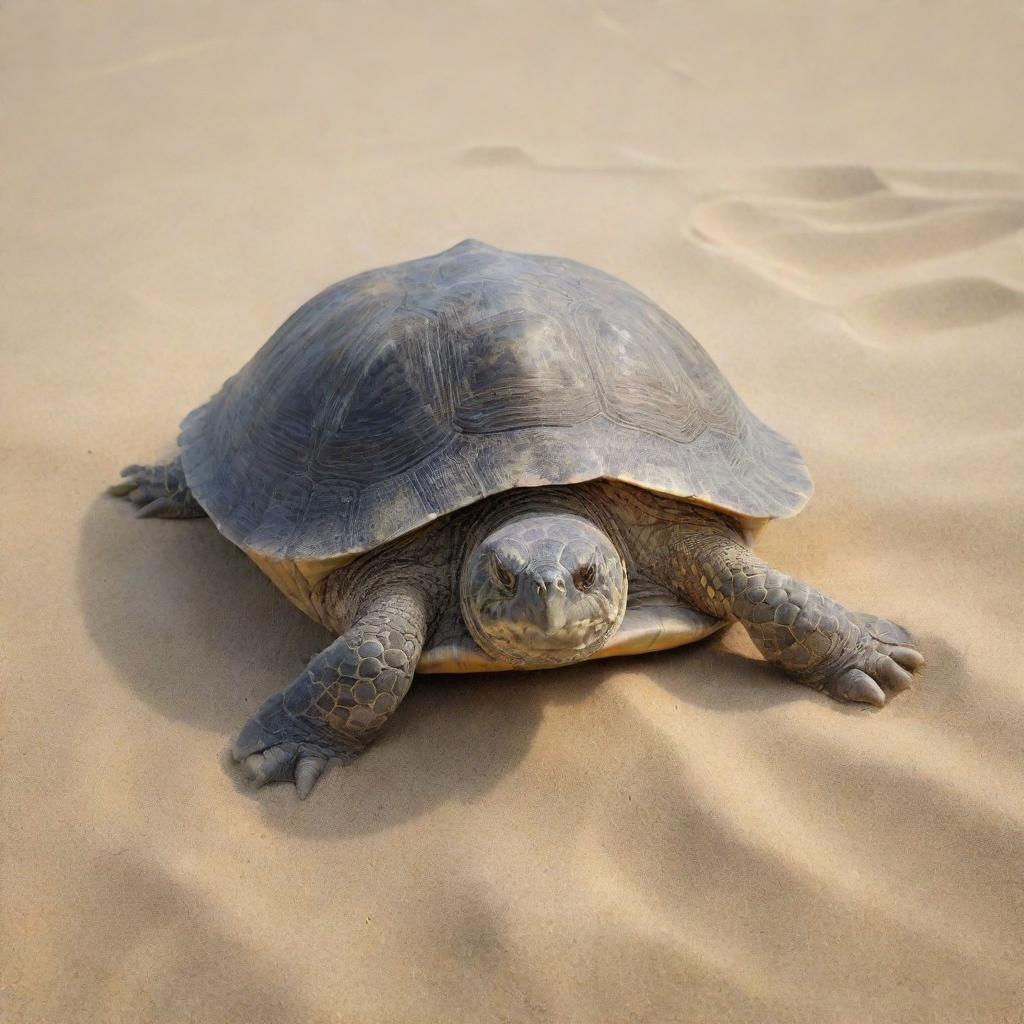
(269, 765)
(307, 771)
(158, 491)
(908, 657)
(881, 665)
(123, 488)
(154, 508)
(286, 762)
(275, 746)
(854, 685)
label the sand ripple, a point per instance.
(844, 236)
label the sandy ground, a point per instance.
(829, 196)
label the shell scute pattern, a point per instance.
(405, 393)
(520, 369)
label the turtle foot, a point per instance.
(275, 746)
(158, 490)
(881, 663)
(286, 762)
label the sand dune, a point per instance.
(875, 246)
(966, 180)
(831, 197)
(822, 183)
(621, 161)
(941, 305)
(853, 239)
(882, 207)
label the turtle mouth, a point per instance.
(523, 643)
(577, 637)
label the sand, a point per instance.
(830, 197)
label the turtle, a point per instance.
(484, 460)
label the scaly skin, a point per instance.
(344, 697)
(158, 490)
(700, 554)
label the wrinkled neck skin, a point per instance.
(540, 574)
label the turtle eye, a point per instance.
(501, 574)
(585, 577)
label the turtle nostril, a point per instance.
(560, 586)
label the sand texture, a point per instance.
(830, 196)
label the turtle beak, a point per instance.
(546, 597)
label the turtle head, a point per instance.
(543, 589)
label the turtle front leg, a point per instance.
(850, 656)
(344, 697)
(158, 490)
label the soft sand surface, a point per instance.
(828, 196)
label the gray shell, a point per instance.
(405, 393)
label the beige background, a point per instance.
(829, 196)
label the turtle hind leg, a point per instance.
(158, 490)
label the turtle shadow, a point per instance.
(720, 674)
(453, 739)
(199, 634)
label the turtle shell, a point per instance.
(404, 393)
